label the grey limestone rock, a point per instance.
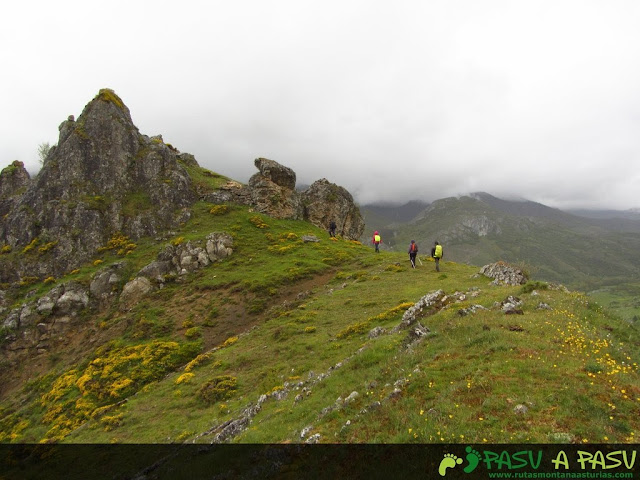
(504, 274)
(103, 177)
(133, 292)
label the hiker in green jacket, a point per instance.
(376, 240)
(437, 254)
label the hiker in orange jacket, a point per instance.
(413, 251)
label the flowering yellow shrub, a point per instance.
(115, 373)
(391, 313)
(31, 245)
(120, 243)
(188, 324)
(230, 341)
(218, 388)
(193, 332)
(219, 210)
(111, 421)
(258, 222)
(280, 249)
(356, 328)
(25, 281)
(47, 246)
(184, 378)
(199, 360)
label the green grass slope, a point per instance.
(274, 345)
(556, 246)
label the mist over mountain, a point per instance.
(589, 250)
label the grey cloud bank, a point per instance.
(392, 100)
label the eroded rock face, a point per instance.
(13, 179)
(102, 177)
(272, 190)
(325, 201)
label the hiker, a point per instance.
(376, 241)
(413, 251)
(437, 254)
(332, 229)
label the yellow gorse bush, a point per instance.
(184, 378)
(258, 222)
(391, 312)
(120, 243)
(219, 210)
(115, 373)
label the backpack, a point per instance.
(414, 248)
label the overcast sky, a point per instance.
(422, 99)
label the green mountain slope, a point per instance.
(294, 341)
(559, 247)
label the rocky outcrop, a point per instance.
(272, 190)
(504, 274)
(325, 202)
(14, 181)
(173, 261)
(30, 324)
(102, 177)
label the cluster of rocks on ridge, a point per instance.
(104, 177)
(273, 191)
(35, 322)
(504, 274)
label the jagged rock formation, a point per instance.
(325, 201)
(102, 177)
(34, 324)
(272, 191)
(14, 180)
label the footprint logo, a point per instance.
(449, 461)
(473, 457)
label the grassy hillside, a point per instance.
(585, 254)
(274, 345)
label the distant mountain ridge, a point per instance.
(564, 247)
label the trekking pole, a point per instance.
(419, 260)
